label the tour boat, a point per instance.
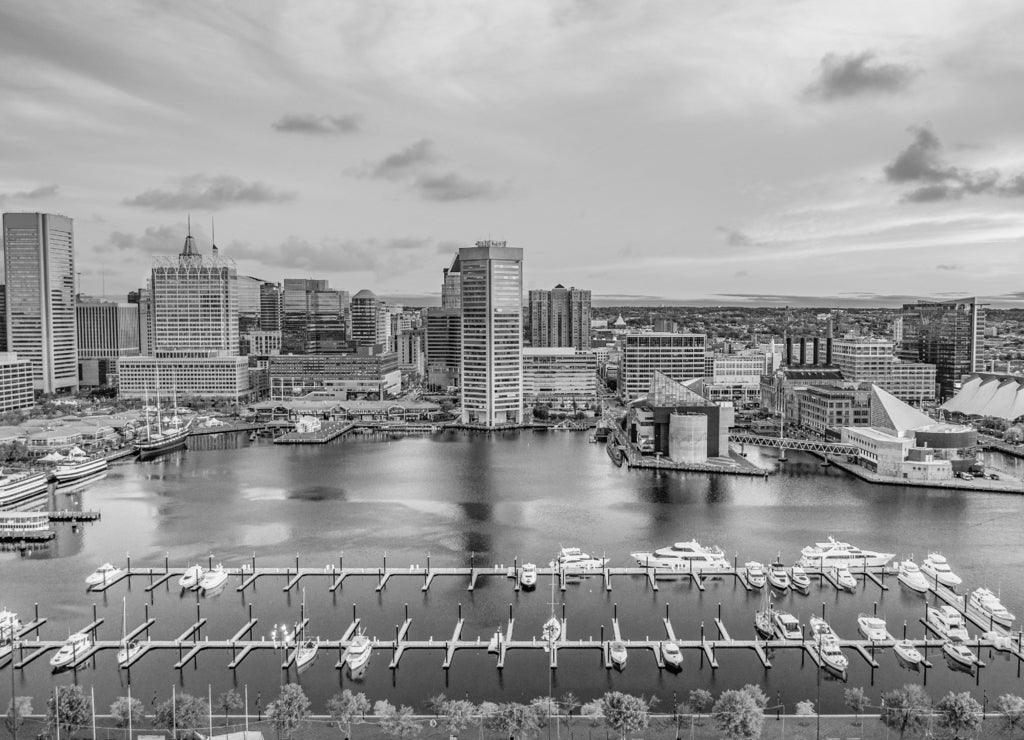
(689, 555)
(528, 576)
(192, 576)
(73, 650)
(16, 488)
(958, 652)
(834, 553)
(845, 579)
(213, 579)
(799, 580)
(574, 558)
(873, 628)
(79, 466)
(907, 654)
(306, 652)
(756, 576)
(937, 569)
(15, 523)
(618, 654)
(358, 652)
(946, 621)
(778, 578)
(671, 654)
(787, 627)
(827, 643)
(103, 575)
(912, 577)
(988, 604)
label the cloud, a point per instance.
(210, 193)
(449, 247)
(452, 186)
(311, 123)
(380, 256)
(43, 191)
(406, 161)
(735, 238)
(951, 268)
(166, 240)
(857, 74)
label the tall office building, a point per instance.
(107, 330)
(443, 346)
(949, 335)
(560, 318)
(370, 320)
(871, 360)
(678, 356)
(451, 285)
(3, 318)
(39, 263)
(313, 317)
(271, 307)
(492, 332)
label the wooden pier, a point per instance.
(72, 515)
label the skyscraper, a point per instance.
(949, 335)
(451, 286)
(443, 346)
(369, 320)
(313, 317)
(492, 331)
(39, 263)
(560, 317)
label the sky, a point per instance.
(820, 152)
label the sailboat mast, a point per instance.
(159, 421)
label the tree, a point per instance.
(435, 704)
(397, 723)
(17, 709)
(680, 712)
(907, 709)
(127, 711)
(183, 712)
(514, 720)
(959, 713)
(570, 702)
(805, 709)
(346, 708)
(229, 701)
(857, 701)
(457, 715)
(757, 694)
(544, 707)
(289, 710)
(625, 713)
(701, 701)
(1012, 709)
(592, 710)
(738, 715)
(73, 707)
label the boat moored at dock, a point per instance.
(827, 643)
(787, 627)
(845, 579)
(987, 604)
(213, 579)
(778, 577)
(671, 654)
(937, 570)
(306, 652)
(73, 649)
(947, 622)
(690, 556)
(910, 575)
(79, 466)
(907, 654)
(834, 553)
(619, 654)
(528, 576)
(103, 575)
(755, 574)
(958, 653)
(799, 580)
(358, 653)
(873, 628)
(192, 576)
(15, 488)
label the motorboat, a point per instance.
(845, 579)
(213, 579)
(690, 556)
(618, 653)
(947, 621)
(778, 578)
(936, 569)
(907, 654)
(571, 558)
(103, 575)
(834, 553)
(1000, 640)
(358, 652)
(873, 628)
(528, 575)
(127, 652)
(799, 580)
(827, 643)
(192, 576)
(73, 650)
(552, 629)
(958, 652)
(306, 652)
(988, 605)
(671, 654)
(912, 577)
(756, 575)
(787, 627)
(494, 642)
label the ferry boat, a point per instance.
(17, 487)
(959, 653)
(213, 579)
(192, 576)
(73, 650)
(937, 569)
(988, 604)
(573, 557)
(873, 628)
(528, 576)
(619, 654)
(845, 579)
(79, 466)
(912, 577)
(834, 553)
(799, 580)
(787, 627)
(778, 578)
(907, 654)
(671, 654)
(689, 555)
(103, 575)
(18, 523)
(946, 621)
(358, 652)
(827, 643)
(306, 652)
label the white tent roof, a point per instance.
(999, 396)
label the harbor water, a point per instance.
(489, 499)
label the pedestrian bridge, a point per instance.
(789, 443)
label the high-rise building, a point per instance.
(39, 264)
(678, 356)
(871, 360)
(492, 334)
(451, 285)
(370, 320)
(16, 380)
(560, 318)
(313, 319)
(107, 328)
(443, 346)
(3, 318)
(949, 335)
(559, 376)
(271, 307)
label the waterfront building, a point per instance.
(492, 332)
(451, 285)
(326, 407)
(443, 346)
(342, 376)
(997, 395)
(370, 320)
(737, 377)
(224, 377)
(39, 268)
(779, 390)
(678, 356)
(107, 330)
(313, 319)
(17, 379)
(949, 335)
(872, 360)
(563, 377)
(560, 317)
(826, 409)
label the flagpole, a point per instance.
(92, 705)
(247, 712)
(129, 712)
(56, 707)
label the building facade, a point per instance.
(451, 285)
(369, 320)
(314, 317)
(224, 378)
(563, 377)
(107, 328)
(17, 379)
(679, 356)
(560, 318)
(872, 360)
(443, 346)
(949, 335)
(344, 376)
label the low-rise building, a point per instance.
(225, 378)
(16, 391)
(344, 376)
(559, 376)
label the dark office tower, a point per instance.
(948, 335)
(443, 346)
(451, 287)
(313, 319)
(369, 320)
(560, 318)
(3, 318)
(271, 307)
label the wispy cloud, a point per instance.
(950, 268)
(311, 123)
(208, 192)
(452, 186)
(380, 256)
(405, 161)
(43, 191)
(735, 238)
(166, 239)
(412, 166)
(845, 76)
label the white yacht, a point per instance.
(306, 652)
(947, 621)
(103, 575)
(958, 652)
(834, 553)
(799, 580)
(778, 578)
(787, 627)
(909, 655)
(528, 575)
(827, 643)
(671, 654)
(912, 577)
(192, 576)
(213, 579)
(689, 555)
(73, 650)
(573, 558)
(756, 575)
(359, 650)
(873, 628)
(845, 579)
(618, 654)
(936, 568)
(988, 604)
(16, 488)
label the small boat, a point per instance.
(213, 579)
(306, 652)
(618, 654)
(756, 575)
(671, 654)
(835, 553)
(907, 654)
(571, 558)
(103, 575)
(358, 652)
(129, 648)
(873, 628)
(936, 569)
(10, 625)
(912, 577)
(946, 621)
(958, 652)
(988, 604)
(192, 576)
(73, 650)
(845, 579)
(778, 578)
(799, 580)
(827, 643)
(492, 644)
(528, 575)
(552, 629)
(787, 627)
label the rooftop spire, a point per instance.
(189, 250)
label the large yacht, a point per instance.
(778, 578)
(573, 557)
(73, 650)
(756, 575)
(528, 575)
(937, 568)
(684, 555)
(18, 487)
(78, 466)
(828, 645)
(988, 605)
(358, 652)
(833, 554)
(873, 628)
(13, 523)
(912, 577)
(947, 621)
(799, 580)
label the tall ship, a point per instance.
(834, 554)
(689, 555)
(15, 488)
(162, 440)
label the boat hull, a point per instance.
(19, 489)
(151, 450)
(919, 584)
(69, 473)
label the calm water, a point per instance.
(499, 497)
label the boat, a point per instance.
(845, 579)
(827, 643)
(756, 575)
(907, 654)
(958, 652)
(306, 652)
(10, 629)
(103, 575)
(359, 650)
(157, 442)
(16, 524)
(552, 628)
(689, 556)
(988, 604)
(937, 569)
(78, 465)
(213, 579)
(129, 648)
(873, 628)
(778, 578)
(764, 618)
(528, 575)
(492, 644)
(946, 621)
(834, 553)
(912, 577)
(799, 580)
(573, 557)
(192, 576)
(787, 627)
(73, 650)
(17, 487)
(618, 653)
(671, 654)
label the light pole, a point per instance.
(14, 700)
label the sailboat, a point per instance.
(764, 618)
(128, 650)
(306, 651)
(552, 628)
(159, 442)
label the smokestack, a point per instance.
(828, 351)
(803, 350)
(789, 351)
(816, 347)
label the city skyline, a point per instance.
(811, 154)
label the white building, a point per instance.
(560, 376)
(679, 356)
(206, 377)
(16, 381)
(871, 360)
